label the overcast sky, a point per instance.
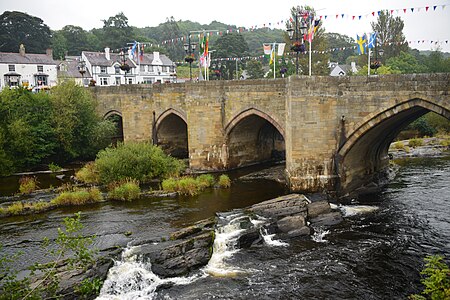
(420, 25)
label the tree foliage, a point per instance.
(336, 40)
(40, 128)
(231, 45)
(254, 69)
(20, 28)
(116, 32)
(390, 35)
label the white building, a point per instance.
(342, 70)
(30, 70)
(70, 69)
(105, 68)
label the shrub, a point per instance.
(436, 280)
(188, 186)
(224, 181)
(78, 197)
(27, 185)
(398, 145)
(54, 167)
(88, 174)
(445, 142)
(19, 208)
(415, 142)
(170, 185)
(140, 161)
(205, 181)
(127, 190)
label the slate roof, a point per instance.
(99, 59)
(28, 58)
(72, 70)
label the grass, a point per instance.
(416, 142)
(28, 185)
(54, 167)
(88, 174)
(20, 208)
(126, 190)
(193, 186)
(224, 181)
(78, 197)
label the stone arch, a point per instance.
(252, 111)
(363, 159)
(253, 137)
(116, 117)
(170, 133)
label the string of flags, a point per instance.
(353, 17)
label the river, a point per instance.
(376, 253)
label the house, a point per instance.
(342, 70)
(34, 71)
(108, 68)
(71, 68)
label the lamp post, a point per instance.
(82, 70)
(296, 34)
(189, 48)
(124, 66)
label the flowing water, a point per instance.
(376, 253)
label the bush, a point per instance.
(127, 190)
(139, 161)
(27, 185)
(398, 145)
(19, 208)
(188, 186)
(205, 181)
(78, 197)
(415, 142)
(88, 174)
(54, 167)
(436, 280)
(224, 181)
(170, 185)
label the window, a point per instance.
(103, 70)
(11, 68)
(117, 80)
(41, 80)
(40, 69)
(103, 81)
(147, 80)
(150, 68)
(130, 80)
(117, 69)
(142, 68)
(167, 69)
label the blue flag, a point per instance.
(372, 40)
(362, 43)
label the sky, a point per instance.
(422, 28)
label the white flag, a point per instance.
(281, 49)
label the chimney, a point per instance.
(354, 69)
(107, 56)
(49, 52)
(22, 50)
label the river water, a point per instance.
(376, 253)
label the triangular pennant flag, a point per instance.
(443, 7)
(342, 16)
(392, 11)
(404, 10)
(426, 8)
(353, 17)
(337, 16)
(373, 14)
(412, 9)
(434, 7)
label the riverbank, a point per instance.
(420, 147)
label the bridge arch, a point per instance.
(170, 133)
(252, 136)
(115, 116)
(363, 157)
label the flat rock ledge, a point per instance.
(288, 217)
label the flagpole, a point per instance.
(368, 60)
(274, 59)
(310, 42)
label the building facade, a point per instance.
(35, 71)
(107, 69)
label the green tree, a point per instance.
(76, 38)
(75, 121)
(436, 63)
(171, 31)
(116, 32)
(390, 35)
(344, 42)
(20, 28)
(232, 45)
(406, 63)
(59, 45)
(254, 69)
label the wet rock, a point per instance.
(304, 231)
(328, 219)
(293, 204)
(182, 257)
(317, 208)
(249, 238)
(291, 223)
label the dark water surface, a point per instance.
(376, 253)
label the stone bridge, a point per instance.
(333, 132)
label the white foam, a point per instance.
(353, 210)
